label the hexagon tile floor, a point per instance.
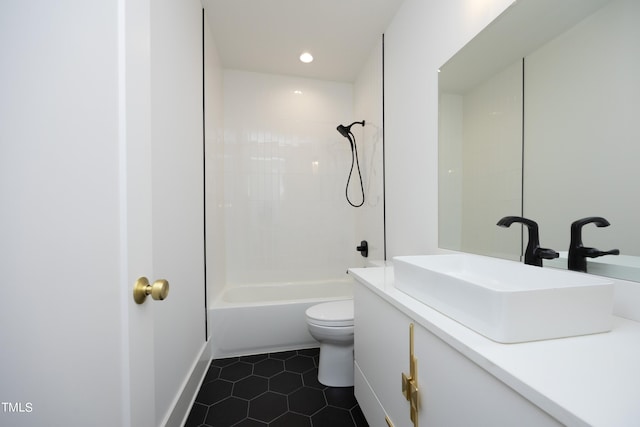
(272, 390)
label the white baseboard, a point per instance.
(182, 406)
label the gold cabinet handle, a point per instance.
(410, 382)
(158, 291)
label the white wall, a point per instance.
(368, 106)
(286, 168)
(422, 36)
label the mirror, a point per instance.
(536, 118)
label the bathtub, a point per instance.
(264, 318)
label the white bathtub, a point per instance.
(263, 318)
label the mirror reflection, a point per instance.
(537, 119)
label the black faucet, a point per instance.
(534, 254)
(578, 254)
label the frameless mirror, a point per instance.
(537, 119)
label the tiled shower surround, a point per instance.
(286, 169)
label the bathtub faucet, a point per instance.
(363, 248)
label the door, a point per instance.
(173, 329)
(100, 183)
(178, 194)
(63, 295)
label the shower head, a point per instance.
(346, 130)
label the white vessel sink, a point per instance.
(508, 301)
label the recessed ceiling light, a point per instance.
(306, 57)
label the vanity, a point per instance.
(537, 118)
(461, 378)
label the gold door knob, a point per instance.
(158, 291)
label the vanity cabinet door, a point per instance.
(381, 349)
(453, 390)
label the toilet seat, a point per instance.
(333, 314)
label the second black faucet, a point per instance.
(578, 254)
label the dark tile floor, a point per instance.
(272, 390)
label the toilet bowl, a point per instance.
(331, 324)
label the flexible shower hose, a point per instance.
(354, 160)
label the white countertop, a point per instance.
(591, 380)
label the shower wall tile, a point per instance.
(285, 172)
(368, 106)
(214, 170)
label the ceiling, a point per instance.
(269, 35)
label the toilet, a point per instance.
(331, 324)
